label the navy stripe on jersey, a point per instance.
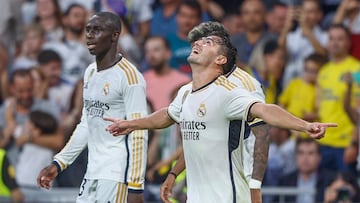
(258, 123)
(127, 158)
(247, 130)
(234, 141)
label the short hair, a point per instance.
(277, 4)
(19, 73)
(307, 140)
(340, 26)
(44, 121)
(317, 58)
(163, 39)
(112, 20)
(194, 4)
(71, 6)
(48, 55)
(270, 47)
(216, 29)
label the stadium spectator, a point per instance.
(253, 21)
(299, 96)
(267, 66)
(164, 20)
(349, 13)
(9, 187)
(330, 96)
(16, 111)
(33, 156)
(71, 47)
(49, 16)
(232, 23)
(281, 159)
(308, 175)
(187, 17)
(305, 39)
(58, 91)
(344, 188)
(31, 45)
(275, 18)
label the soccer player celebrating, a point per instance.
(209, 111)
(113, 88)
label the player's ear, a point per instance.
(115, 36)
(221, 60)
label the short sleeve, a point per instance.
(238, 104)
(175, 106)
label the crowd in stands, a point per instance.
(305, 53)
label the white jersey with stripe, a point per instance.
(116, 92)
(246, 81)
(210, 120)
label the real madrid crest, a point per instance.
(202, 110)
(106, 89)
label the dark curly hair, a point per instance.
(212, 28)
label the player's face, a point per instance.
(22, 90)
(156, 53)
(307, 157)
(98, 36)
(205, 50)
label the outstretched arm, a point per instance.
(157, 120)
(274, 115)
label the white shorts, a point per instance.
(102, 191)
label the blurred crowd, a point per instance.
(305, 53)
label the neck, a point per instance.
(70, 36)
(22, 109)
(306, 175)
(106, 60)
(253, 36)
(163, 70)
(339, 58)
(203, 76)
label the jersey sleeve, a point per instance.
(75, 145)
(175, 106)
(238, 104)
(136, 107)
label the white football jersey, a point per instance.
(116, 92)
(210, 120)
(246, 81)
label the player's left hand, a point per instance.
(135, 197)
(118, 127)
(317, 130)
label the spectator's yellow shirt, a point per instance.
(298, 97)
(332, 90)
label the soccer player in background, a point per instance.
(112, 88)
(209, 111)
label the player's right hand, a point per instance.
(166, 188)
(46, 175)
(118, 127)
